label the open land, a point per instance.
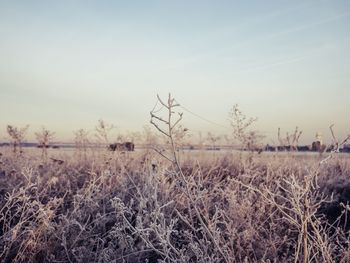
(103, 206)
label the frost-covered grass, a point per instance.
(133, 207)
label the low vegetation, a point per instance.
(113, 207)
(166, 205)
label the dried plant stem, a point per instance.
(170, 126)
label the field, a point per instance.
(103, 202)
(103, 206)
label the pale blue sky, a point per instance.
(65, 64)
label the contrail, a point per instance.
(274, 64)
(300, 28)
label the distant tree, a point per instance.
(248, 139)
(17, 135)
(291, 140)
(44, 138)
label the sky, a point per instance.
(66, 64)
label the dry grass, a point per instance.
(113, 207)
(165, 205)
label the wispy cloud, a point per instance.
(199, 58)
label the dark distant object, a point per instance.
(345, 149)
(57, 161)
(213, 149)
(29, 144)
(55, 147)
(330, 148)
(318, 147)
(303, 148)
(270, 148)
(281, 148)
(123, 147)
(290, 148)
(286, 148)
(42, 146)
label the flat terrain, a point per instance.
(210, 206)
